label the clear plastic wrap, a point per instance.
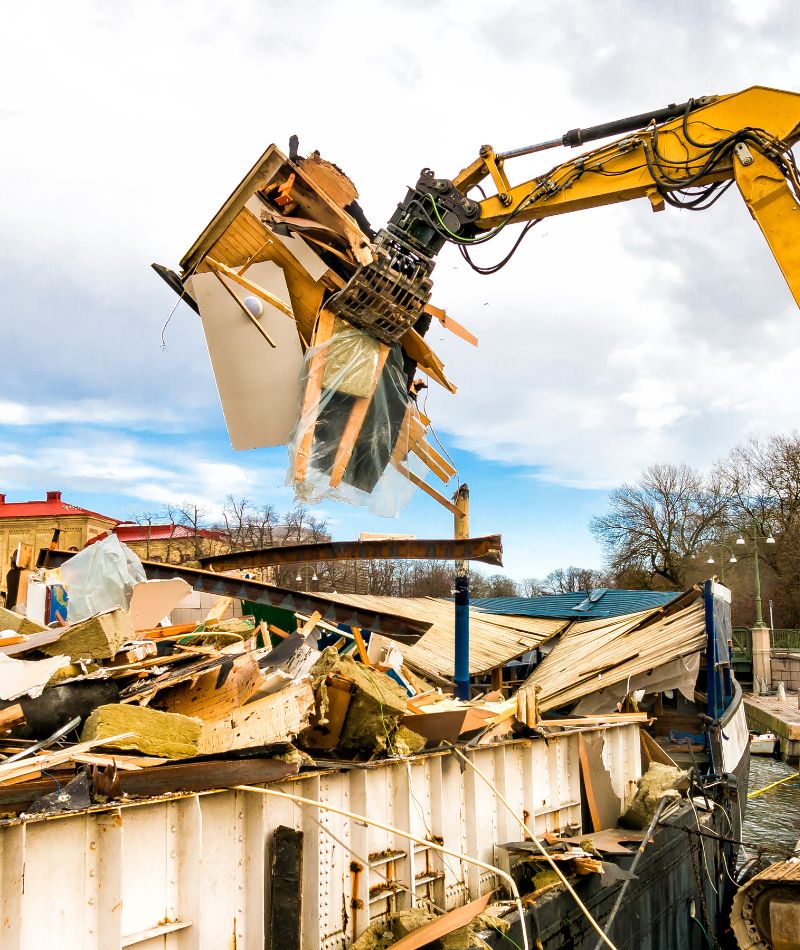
(100, 578)
(351, 442)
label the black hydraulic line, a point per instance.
(576, 137)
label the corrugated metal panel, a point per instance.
(613, 603)
(494, 639)
(192, 872)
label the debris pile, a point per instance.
(109, 699)
(279, 271)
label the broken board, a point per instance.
(277, 718)
(258, 385)
(604, 804)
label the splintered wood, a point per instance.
(598, 654)
(299, 216)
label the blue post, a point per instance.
(461, 665)
(461, 658)
(711, 651)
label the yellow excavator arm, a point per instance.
(745, 137)
(685, 155)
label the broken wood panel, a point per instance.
(487, 549)
(332, 180)
(214, 694)
(277, 718)
(604, 804)
(312, 203)
(286, 887)
(252, 242)
(441, 926)
(230, 337)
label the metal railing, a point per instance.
(780, 639)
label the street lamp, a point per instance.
(731, 560)
(756, 537)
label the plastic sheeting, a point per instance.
(330, 456)
(100, 578)
(680, 674)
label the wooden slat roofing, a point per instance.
(494, 639)
(597, 653)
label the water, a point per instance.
(772, 818)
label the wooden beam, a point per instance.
(450, 324)
(256, 289)
(424, 486)
(250, 316)
(312, 393)
(488, 549)
(355, 421)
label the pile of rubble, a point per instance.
(112, 700)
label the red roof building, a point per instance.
(33, 524)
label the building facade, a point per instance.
(33, 523)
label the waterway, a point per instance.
(773, 818)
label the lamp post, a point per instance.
(731, 560)
(762, 665)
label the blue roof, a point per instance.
(604, 602)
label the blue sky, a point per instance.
(614, 339)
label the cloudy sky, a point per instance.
(615, 338)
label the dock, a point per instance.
(770, 714)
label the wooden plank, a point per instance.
(355, 421)
(216, 693)
(286, 887)
(421, 353)
(11, 716)
(277, 718)
(362, 650)
(312, 394)
(652, 752)
(441, 926)
(450, 324)
(10, 771)
(604, 805)
(248, 284)
(595, 720)
(424, 486)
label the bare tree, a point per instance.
(531, 587)
(656, 524)
(573, 580)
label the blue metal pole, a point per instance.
(711, 651)
(461, 665)
(461, 657)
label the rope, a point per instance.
(766, 788)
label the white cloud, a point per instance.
(614, 338)
(149, 474)
(84, 412)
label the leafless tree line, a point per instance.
(661, 531)
(246, 526)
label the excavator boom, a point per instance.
(685, 156)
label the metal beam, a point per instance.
(489, 550)
(402, 629)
